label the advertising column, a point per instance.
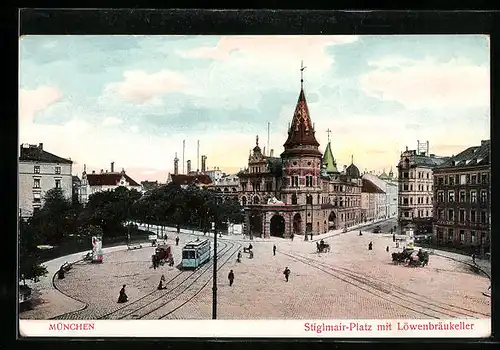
(97, 249)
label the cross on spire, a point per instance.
(352, 159)
(328, 131)
(302, 74)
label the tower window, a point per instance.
(309, 181)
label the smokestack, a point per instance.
(112, 167)
(183, 153)
(271, 153)
(176, 165)
(264, 151)
(85, 168)
(188, 166)
(198, 158)
(203, 164)
(40, 145)
(93, 171)
(268, 128)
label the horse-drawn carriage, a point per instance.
(163, 253)
(322, 247)
(407, 256)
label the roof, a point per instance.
(471, 157)
(149, 185)
(275, 165)
(352, 171)
(182, 179)
(75, 178)
(37, 154)
(301, 132)
(109, 179)
(329, 160)
(431, 161)
(370, 187)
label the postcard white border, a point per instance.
(424, 328)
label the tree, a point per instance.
(29, 259)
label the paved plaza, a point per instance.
(348, 282)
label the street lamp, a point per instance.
(214, 278)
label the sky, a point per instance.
(132, 100)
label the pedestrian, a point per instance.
(387, 249)
(274, 249)
(123, 296)
(393, 236)
(239, 257)
(292, 236)
(286, 273)
(162, 280)
(370, 246)
(171, 261)
(250, 256)
(230, 277)
(361, 234)
(177, 240)
(474, 258)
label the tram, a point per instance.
(195, 253)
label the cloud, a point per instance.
(37, 100)
(139, 87)
(111, 121)
(134, 129)
(427, 84)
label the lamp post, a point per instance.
(214, 286)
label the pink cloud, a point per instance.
(32, 101)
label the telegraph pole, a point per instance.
(214, 287)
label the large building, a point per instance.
(415, 188)
(373, 198)
(301, 191)
(391, 192)
(462, 190)
(227, 186)
(105, 181)
(40, 171)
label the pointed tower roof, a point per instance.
(329, 161)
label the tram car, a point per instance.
(195, 253)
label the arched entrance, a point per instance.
(277, 226)
(297, 224)
(332, 221)
(255, 224)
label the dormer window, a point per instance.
(58, 170)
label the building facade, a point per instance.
(415, 192)
(105, 181)
(391, 193)
(227, 186)
(373, 198)
(300, 192)
(40, 171)
(462, 188)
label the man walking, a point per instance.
(274, 249)
(286, 273)
(231, 277)
(177, 240)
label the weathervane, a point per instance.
(328, 131)
(302, 74)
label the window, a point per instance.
(411, 187)
(446, 180)
(463, 180)
(309, 199)
(451, 215)
(405, 201)
(484, 197)
(406, 214)
(462, 196)
(405, 175)
(427, 200)
(483, 237)
(440, 180)
(483, 217)
(473, 196)
(405, 187)
(58, 170)
(188, 254)
(309, 181)
(295, 181)
(473, 179)
(441, 214)
(36, 169)
(244, 201)
(294, 199)
(452, 180)
(36, 183)
(450, 234)
(411, 200)
(473, 237)
(427, 188)
(462, 215)
(244, 186)
(35, 210)
(269, 186)
(462, 236)
(36, 197)
(255, 200)
(427, 213)
(427, 175)
(451, 196)
(472, 216)
(440, 198)
(484, 178)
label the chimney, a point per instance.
(102, 171)
(272, 153)
(176, 165)
(93, 171)
(203, 163)
(188, 163)
(40, 145)
(112, 167)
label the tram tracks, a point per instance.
(396, 295)
(191, 283)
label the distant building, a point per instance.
(104, 181)
(373, 198)
(462, 189)
(76, 182)
(415, 188)
(228, 187)
(199, 180)
(215, 174)
(40, 171)
(391, 192)
(148, 186)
